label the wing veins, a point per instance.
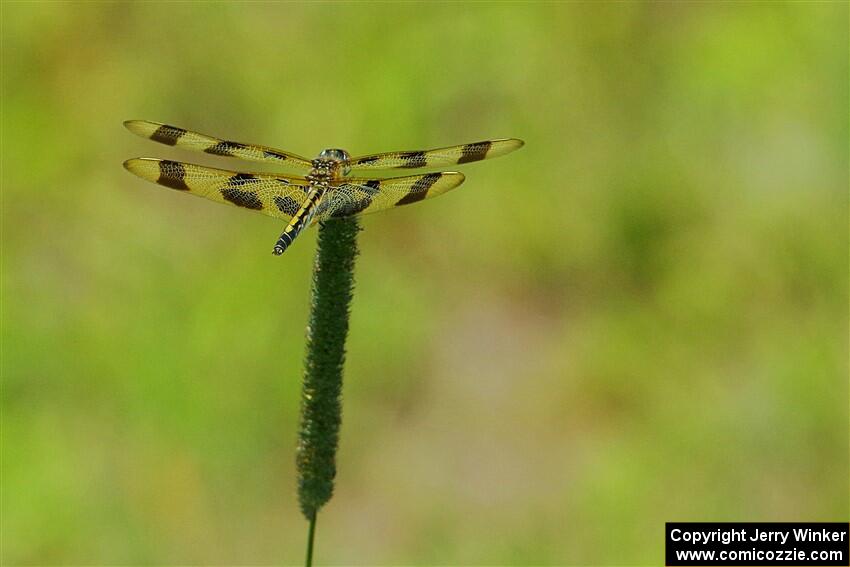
(278, 196)
(438, 157)
(195, 141)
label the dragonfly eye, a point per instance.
(335, 154)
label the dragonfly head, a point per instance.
(337, 155)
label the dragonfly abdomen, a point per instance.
(301, 219)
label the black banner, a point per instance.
(752, 543)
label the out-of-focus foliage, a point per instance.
(639, 317)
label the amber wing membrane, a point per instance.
(361, 196)
(178, 137)
(273, 195)
(466, 153)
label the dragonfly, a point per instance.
(325, 191)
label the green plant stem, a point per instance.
(321, 403)
(308, 562)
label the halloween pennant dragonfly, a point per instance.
(325, 192)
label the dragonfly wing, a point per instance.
(274, 195)
(186, 139)
(439, 157)
(356, 196)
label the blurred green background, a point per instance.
(640, 317)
